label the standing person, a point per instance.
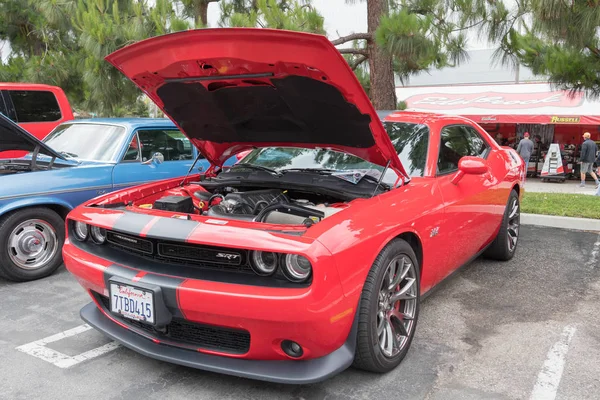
(588, 156)
(525, 149)
(598, 172)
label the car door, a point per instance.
(469, 206)
(137, 165)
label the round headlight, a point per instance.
(98, 234)
(80, 230)
(264, 262)
(297, 268)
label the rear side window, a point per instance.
(458, 141)
(35, 105)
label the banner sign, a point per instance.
(564, 120)
(493, 100)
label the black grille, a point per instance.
(199, 253)
(184, 332)
(200, 256)
(129, 242)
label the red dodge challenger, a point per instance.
(313, 252)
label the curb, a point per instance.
(552, 221)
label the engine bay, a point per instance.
(273, 206)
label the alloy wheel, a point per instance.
(397, 304)
(32, 244)
(513, 225)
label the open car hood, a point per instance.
(13, 137)
(232, 89)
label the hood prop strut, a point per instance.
(36, 151)
(381, 177)
(191, 168)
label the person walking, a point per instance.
(588, 156)
(525, 148)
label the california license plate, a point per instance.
(132, 302)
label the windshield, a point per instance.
(97, 142)
(409, 140)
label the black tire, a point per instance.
(500, 249)
(369, 356)
(8, 223)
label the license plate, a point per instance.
(131, 302)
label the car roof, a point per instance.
(130, 123)
(420, 117)
(25, 86)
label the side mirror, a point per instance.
(157, 158)
(470, 166)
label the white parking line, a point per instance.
(38, 349)
(549, 377)
(594, 255)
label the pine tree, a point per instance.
(558, 40)
(294, 15)
(405, 38)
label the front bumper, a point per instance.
(281, 371)
(319, 317)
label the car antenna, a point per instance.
(381, 177)
(191, 168)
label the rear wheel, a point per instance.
(389, 309)
(505, 244)
(30, 244)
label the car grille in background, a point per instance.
(208, 257)
(183, 332)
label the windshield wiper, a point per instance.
(66, 153)
(316, 170)
(257, 168)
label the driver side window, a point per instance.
(458, 141)
(171, 143)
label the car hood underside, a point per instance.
(235, 89)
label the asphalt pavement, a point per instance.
(525, 329)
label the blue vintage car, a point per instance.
(77, 161)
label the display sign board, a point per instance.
(553, 164)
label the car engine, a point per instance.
(272, 206)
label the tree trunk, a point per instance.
(201, 12)
(383, 93)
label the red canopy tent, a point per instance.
(506, 111)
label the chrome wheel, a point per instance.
(513, 225)
(32, 244)
(397, 304)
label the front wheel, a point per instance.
(505, 244)
(389, 309)
(30, 244)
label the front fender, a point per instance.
(33, 202)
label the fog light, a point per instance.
(291, 348)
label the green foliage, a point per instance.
(420, 35)
(294, 15)
(562, 43)
(64, 43)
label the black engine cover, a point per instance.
(252, 198)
